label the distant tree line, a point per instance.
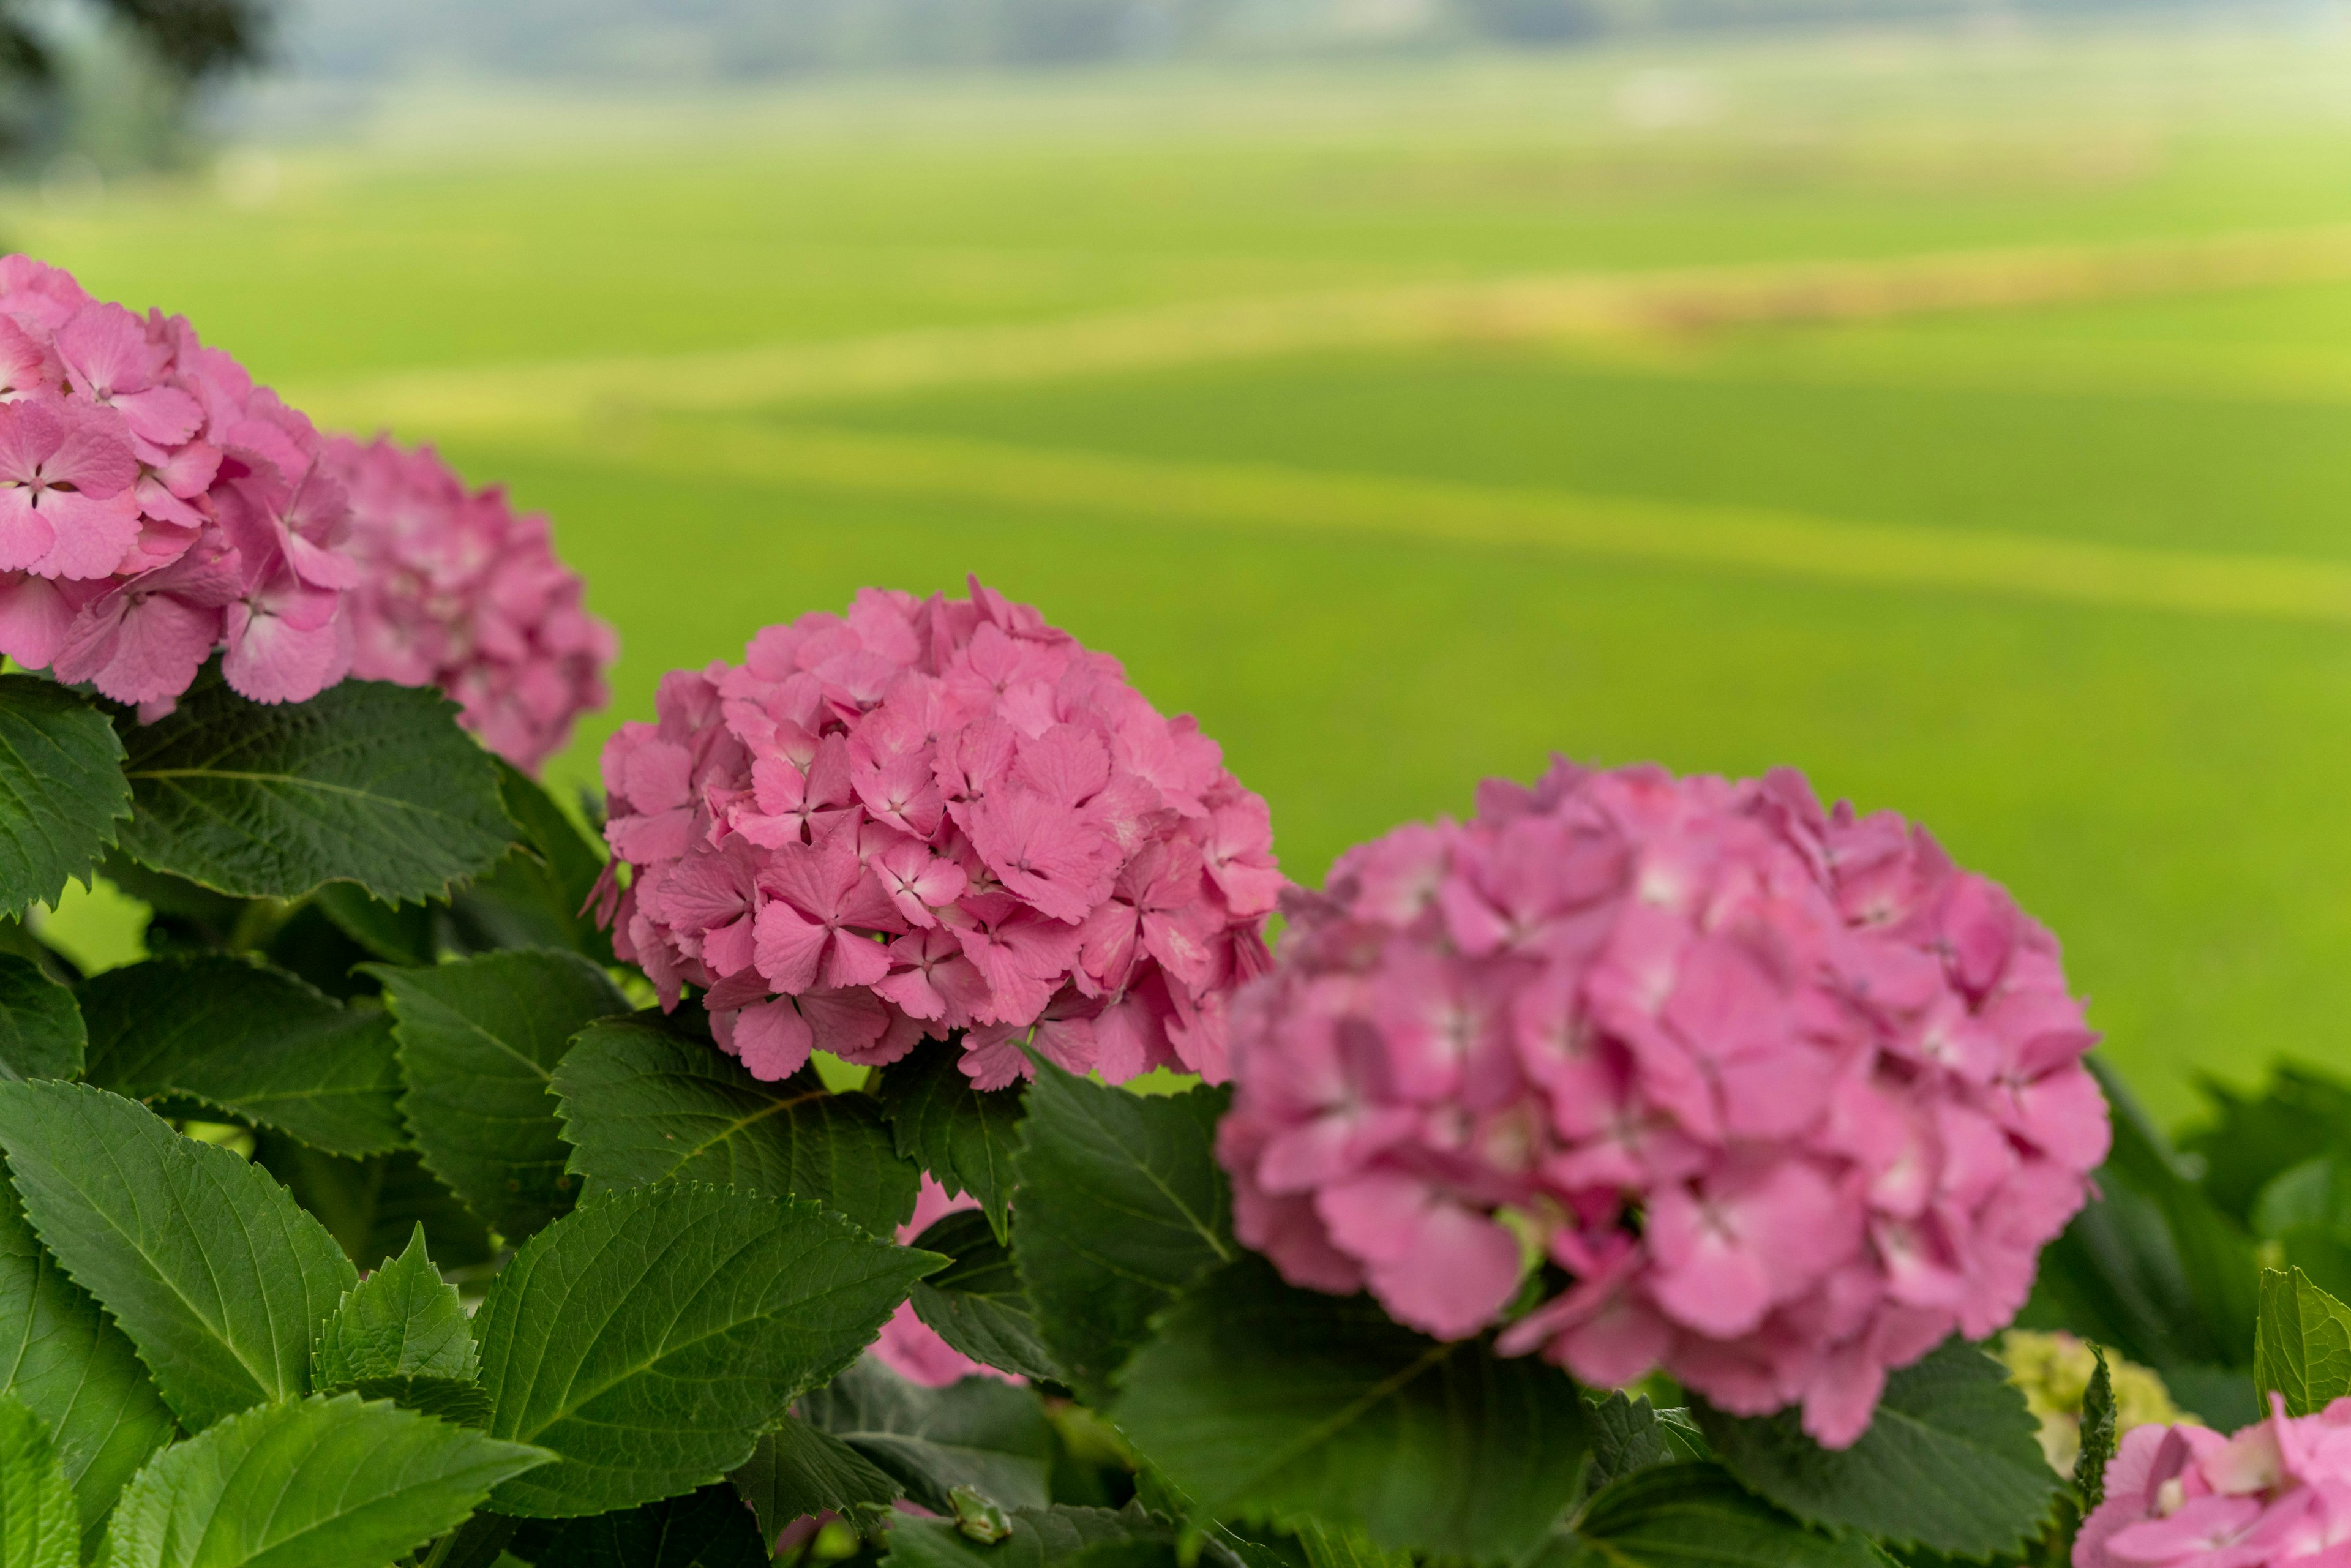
(54, 56)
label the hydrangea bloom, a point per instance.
(909, 1347)
(154, 504)
(461, 593)
(2185, 1496)
(933, 816)
(1786, 1096)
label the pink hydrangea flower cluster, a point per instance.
(2185, 1496)
(155, 505)
(461, 593)
(933, 816)
(1787, 1096)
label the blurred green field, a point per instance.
(753, 353)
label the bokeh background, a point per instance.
(1948, 398)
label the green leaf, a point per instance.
(1695, 1516)
(41, 1030)
(366, 782)
(480, 1039)
(2298, 1114)
(1131, 1538)
(249, 1040)
(1262, 1401)
(2099, 1434)
(456, 1399)
(39, 1525)
(976, 1303)
(704, 1529)
(369, 1206)
(649, 1337)
(309, 1483)
(642, 1102)
(964, 1136)
(979, 1432)
(205, 1261)
(61, 790)
(402, 1321)
(1328, 1546)
(538, 896)
(1626, 1436)
(1123, 1205)
(397, 932)
(797, 1470)
(76, 1371)
(2302, 1346)
(1949, 1463)
(480, 1543)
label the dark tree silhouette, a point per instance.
(193, 40)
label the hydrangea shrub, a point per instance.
(1625, 1175)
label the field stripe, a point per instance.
(1735, 538)
(1665, 304)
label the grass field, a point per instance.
(1964, 421)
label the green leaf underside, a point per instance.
(704, 1529)
(649, 1337)
(250, 1040)
(980, 1432)
(537, 896)
(1123, 1205)
(797, 1470)
(1262, 1401)
(76, 1371)
(1950, 1461)
(61, 790)
(366, 782)
(964, 1136)
(371, 1206)
(309, 1483)
(2099, 1434)
(641, 1103)
(2302, 1346)
(41, 1031)
(976, 1303)
(39, 1525)
(1130, 1537)
(205, 1261)
(402, 1321)
(480, 1039)
(1695, 1516)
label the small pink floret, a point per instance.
(456, 591)
(156, 506)
(1787, 1097)
(937, 816)
(2183, 1497)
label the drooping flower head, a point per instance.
(2185, 1496)
(1783, 1096)
(459, 593)
(155, 505)
(931, 816)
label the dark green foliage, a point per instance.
(537, 895)
(396, 933)
(962, 1136)
(62, 791)
(2098, 1436)
(205, 1261)
(480, 1039)
(2249, 1139)
(38, 1525)
(309, 1483)
(402, 1321)
(704, 1529)
(367, 783)
(1121, 1206)
(2302, 1347)
(1260, 1400)
(251, 1042)
(976, 1303)
(798, 1470)
(978, 1433)
(649, 1337)
(642, 1102)
(369, 1206)
(1949, 1463)
(1695, 1516)
(1626, 1436)
(75, 1370)
(41, 1031)
(1131, 1538)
